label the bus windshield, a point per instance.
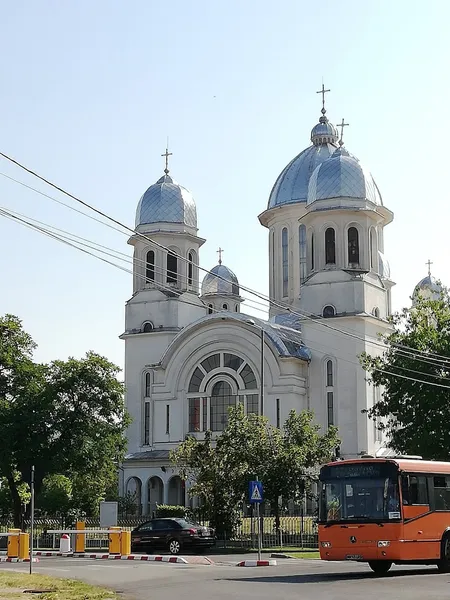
(358, 492)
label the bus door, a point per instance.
(418, 524)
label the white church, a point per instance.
(190, 349)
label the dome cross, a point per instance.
(342, 125)
(219, 252)
(323, 91)
(167, 154)
(429, 263)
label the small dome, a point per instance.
(429, 288)
(221, 281)
(166, 202)
(342, 176)
(324, 132)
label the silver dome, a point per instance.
(342, 176)
(166, 202)
(324, 132)
(214, 283)
(429, 287)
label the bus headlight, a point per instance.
(325, 544)
(383, 544)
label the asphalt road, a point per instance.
(304, 579)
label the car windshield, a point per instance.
(186, 523)
(359, 495)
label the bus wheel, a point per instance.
(380, 567)
(444, 563)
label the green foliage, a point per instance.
(67, 417)
(127, 505)
(415, 415)
(166, 510)
(250, 447)
(56, 495)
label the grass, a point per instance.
(13, 584)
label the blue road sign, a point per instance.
(256, 492)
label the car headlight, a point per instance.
(383, 544)
(325, 544)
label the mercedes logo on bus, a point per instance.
(352, 539)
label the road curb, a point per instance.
(257, 563)
(16, 560)
(276, 555)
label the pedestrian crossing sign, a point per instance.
(256, 492)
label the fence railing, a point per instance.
(294, 531)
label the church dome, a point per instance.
(166, 202)
(429, 288)
(291, 185)
(220, 281)
(342, 176)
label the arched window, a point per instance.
(329, 373)
(225, 307)
(210, 309)
(302, 252)
(353, 246)
(285, 260)
(330, 246)
(372, 250)
(376, 312)
(172, 267)
(329, 391)
(150, 266)
(312, 252)
(148, 327)
(221, 399)
(190, 268)
(236, 308)
(328, 311)
(233, 381)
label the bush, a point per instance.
(165, 510)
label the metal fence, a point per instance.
(294, 532)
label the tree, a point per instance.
(250, 447)
(56, 495)
(65, 418)
(413, 409)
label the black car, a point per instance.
(172, 535)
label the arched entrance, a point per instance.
(155, 488)
(134, 490)
(176, 495)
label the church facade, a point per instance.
(190, 349)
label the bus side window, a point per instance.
(441, 492)
(414, 489)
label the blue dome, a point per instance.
(166, 202)
(429, 287)
(220, 280)
(342, 176)
(292, 183)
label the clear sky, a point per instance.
(90, 90)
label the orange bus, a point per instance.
(384, 511)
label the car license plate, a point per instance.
(353, 557)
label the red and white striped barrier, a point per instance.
(15, 560)
(101, 556)
(257, 563)
(169, 559)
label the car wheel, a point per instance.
(174, 546)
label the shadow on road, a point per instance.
(329, 577)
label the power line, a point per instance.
(273, 302)
(167, 288)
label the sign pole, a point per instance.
(256, 497)
(259, 531)
(32, 519)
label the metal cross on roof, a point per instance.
(219, 252)
(342, 125)
(167, 154)
(323, 91)
(429, 263)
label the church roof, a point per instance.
(221, 281)
(166, 201)
(342, 176)
(152, 455)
